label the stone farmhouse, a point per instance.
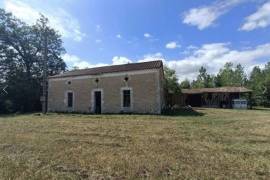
(128, 88)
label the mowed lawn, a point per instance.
(221, 144)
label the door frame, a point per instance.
(93, 103)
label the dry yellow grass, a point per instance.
(221, 144)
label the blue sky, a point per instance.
(184, 34)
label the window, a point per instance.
(70, 99)
(126, 98)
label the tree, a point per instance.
(266, 92)
(230, 76)
(21, 60)
(204, 80)
(256, 83)
(171, 81)
(54, 46)
(239, 76)
(224, 77)
(185, 84)
(266, 85)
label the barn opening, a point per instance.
(222, 97)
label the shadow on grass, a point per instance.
(7, 115)
(183, 112)
(178, 112)
(261, 108)
(20, 114)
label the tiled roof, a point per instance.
(112, 69)
(216, 90)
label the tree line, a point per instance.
(22, 63)
(230, 75)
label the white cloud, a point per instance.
(75, 61)
(119, 36)
(214, 56)
(172, 45)
(152, 57)
(116, 60)
(202, 17)
(98, 28)
(60, 20)
(189, 50)
(259, 19)
(147, 35)
(150, 37)
(98, 41)
(205, 16)
(147, 57)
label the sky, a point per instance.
(184, 34)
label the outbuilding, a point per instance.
(128, 88)
(222, 97)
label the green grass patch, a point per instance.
(212, 144)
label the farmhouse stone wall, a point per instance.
(146, 86)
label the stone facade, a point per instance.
(146, 92)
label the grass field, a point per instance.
(220, 144)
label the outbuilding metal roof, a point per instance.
(112, 69)
(216, 90)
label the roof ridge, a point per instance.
(115, 65)
(112, 69)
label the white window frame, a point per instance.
(66, 100)
(93, 99)
(126, 109)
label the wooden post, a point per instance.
(45, 68)
(249, 99)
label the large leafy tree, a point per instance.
(21, 60)
(171, 81)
